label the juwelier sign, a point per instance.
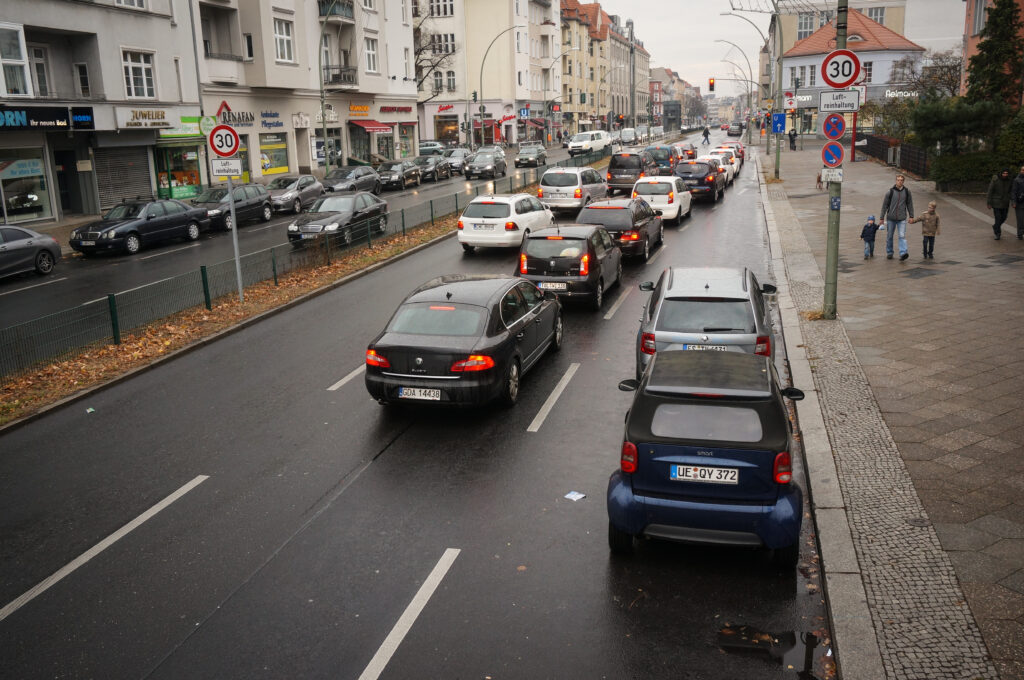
(136, 118)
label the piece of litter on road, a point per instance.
(90, 410)
(575, 495)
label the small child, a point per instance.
(868, 234)
(929, 220)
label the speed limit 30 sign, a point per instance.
(224, 141)
(840, 69)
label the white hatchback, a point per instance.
(729, 156)
(670, 195)
(501, 221)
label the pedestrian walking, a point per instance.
(929, 220)
(707, 135)
(897, 206)
(792, 139)
(998, 198)
(1017, 201)
(867, 234)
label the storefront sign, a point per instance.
(132, 118)
(900, 94)
(505, 119)
(358, 110)
(82, 118)
(235, 118)
(445, 107)
(274, 153)
(524, 113)
(270, 120)
(396, 109)
(35, 118)
(189, 127)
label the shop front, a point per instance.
(400, 117)
(178, 158)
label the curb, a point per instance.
(856, 650)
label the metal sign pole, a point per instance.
(234, 236)
(835, 194)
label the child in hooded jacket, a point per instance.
(929, 220)
(868, 235)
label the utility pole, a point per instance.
(835, 195)
(778, 83)
(632, 75)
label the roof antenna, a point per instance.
(448, 295)
(706, 286)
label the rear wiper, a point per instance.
(720, 330)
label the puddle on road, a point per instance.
(807, 654)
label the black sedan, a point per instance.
(485, 163)
(634, 225)
(23, 250)
(702, 178)
(463, 340)
(130, 225)
(347, 216)
(352, 178)
(433, 167)
(399, 174)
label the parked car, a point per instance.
(572, 261)
(485, 163)
(569, 189)
(723, 166)
(626, 167)
(352, 178)
(705, 457)
(589, 142)
(531, 155)
(501, 220)
(705, 308)
(670, 195)
(431, 148)
(294, 192)
(349, 215)
(252, 201)
(703, 178)
(399, 174)
(664, 156)
(632, 222)
(23, 250)
(463, 340)
(130, 225)
(457, 158)
(435, 168)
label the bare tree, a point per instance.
(934, 75)
(433, 52)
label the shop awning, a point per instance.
(490, 122)
(372, 125)
(534, 123)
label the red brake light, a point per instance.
(374, 359)
(442, 308)
(475, 362)
(608, 175)
(540, 193)
(552, 238)
(763, 346)
(627, 460)
(721, 170)
(522, 262)
(647, 343)
(711, 178)
(460, 224)
(782, 470)
(641, 174)
(585, 265)
(671, 197)
(578, 193)
(630, 236)
(511, 226)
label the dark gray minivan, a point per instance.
(626, 167)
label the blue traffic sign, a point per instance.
(832, 154)
(834, 202)
(778, 122)
(834, 126)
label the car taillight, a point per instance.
(608, 175)
(671, 197)
(647, 343)
(627, 460)
(763, 346)
(711, 178)
(578, 193)
(782, 470)
(374, 359)
(540, 193)
(721, 170)
(460, 224)
(511, 226)
(584, 265)
(522, 263)
(630, 236)
(475, 362)
(641, 174)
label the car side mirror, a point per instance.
(793, 393)
(550, 295)
(658, 213)
(150, 216)
(769, 289)
(630, 385)
(647, 285)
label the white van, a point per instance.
(589, 142)
(629, 136)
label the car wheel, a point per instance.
(468, 248)
(376, 189)
(382, 223)
(618, 273)
(598, 299)
(510, 386)
(788, 557)
(132, 244)
(714, 194)
(44, 262)
(192, 231)
(346, 236)
(267, 213)
(297, 206)
(647, 249)
(228, 224)
(556, 343)
(619, 542)
(419, 180)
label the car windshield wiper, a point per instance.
(720, 330)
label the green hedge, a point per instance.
(952, 170)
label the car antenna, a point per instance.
(706, 286)
(448, 295)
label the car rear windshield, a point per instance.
(693, 169)
(706, 422)
(211, 195)
(659, 154)
(486, 210)
(705, 315)
(653, 189)
(624, 162)
(613, 218)
(560, 179)
(555, 248)
(434, 318)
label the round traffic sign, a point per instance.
(832, 154)
(224, 141)
(834, 126)
(840, 69)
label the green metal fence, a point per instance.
(63, 334)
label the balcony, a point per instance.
(341, 77)
(223, 68)
(338, 11)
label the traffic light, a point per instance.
(711, 84)
(474, 95)
(622, 119)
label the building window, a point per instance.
(980, 14)
(451, 81)
(406, 55)
(442, 43)
(569, 67)
(810, 76)
(825, 16)
(792, 76)
(438, 82)
(442, 8)
(325, 50)
(803, 76)
(877, 14)
(138, 75)
(591, 72)
(804, 25)
(81, 75)
(519, 47)
(248, 45)
(369, 4)
(371, 54)
(137, 4)
(867, 71)
(405, 11)
(283, 40)
(15, 79)
(40, 70)
(520, 74)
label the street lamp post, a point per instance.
(547, 114)
(768, 136)
(482, 62)
(749, 71)
(748, 79)
(323, 96)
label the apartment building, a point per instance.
(973, 21)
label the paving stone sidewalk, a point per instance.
(921, 383)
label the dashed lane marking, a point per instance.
(341, 383)
(552, 398)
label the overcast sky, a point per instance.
(681, 34)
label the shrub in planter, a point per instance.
(965, 172)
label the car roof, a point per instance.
(572, 171)
(472, 289)
(706, 282)
(727, 374)
(611, 203)
(499, 198)
(657, 146)
(660, 179)
(571, 230)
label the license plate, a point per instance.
(551, 285)
(719, 348)
(419, 393)
(310, 235)
(708, 475)
(691, 182)
(555, 194)
(483, 227)
(88, 243)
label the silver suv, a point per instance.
(705, 308)
(569, 189)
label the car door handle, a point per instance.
(520, 334)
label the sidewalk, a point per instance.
(917, 472)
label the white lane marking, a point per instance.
(419, 601)
(168, 252)
(34, 285)
(654, 257)
(92, 552)
(552, 398)
(618, 303)
(252, 230)
(348, 377)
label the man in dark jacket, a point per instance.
(998, 198)
(1017, 201)
(897, 206)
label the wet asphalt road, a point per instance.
(321, 515)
